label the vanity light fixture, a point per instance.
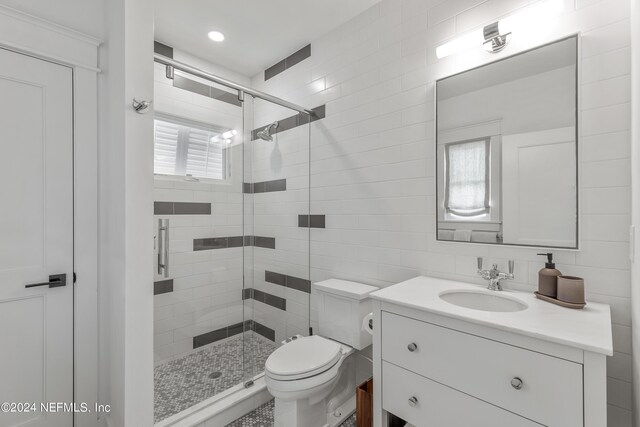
(494, 42)
(494, 37)
(216, 36)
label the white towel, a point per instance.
(484, 237)
(445, 234)
(462, 235)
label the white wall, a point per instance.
(86, 16)
(90, 22)
(372, 168)
(635, 149)
(126, 213)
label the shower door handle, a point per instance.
(163, 247)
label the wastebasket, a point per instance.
(364, 404)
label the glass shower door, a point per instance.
(277, 288)
(198, 192)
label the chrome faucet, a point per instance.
(494, 276)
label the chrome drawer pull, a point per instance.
(412, 347)
(516, 383)
(413, 401)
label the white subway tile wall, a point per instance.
(372, 157)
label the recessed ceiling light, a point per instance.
(216, 36)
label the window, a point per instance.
(467, 178)
(183, 148)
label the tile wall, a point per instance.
(372, 157)
(203, 294)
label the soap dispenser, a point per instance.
(548, 278)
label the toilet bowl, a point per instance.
(313, 378)
(309, 378)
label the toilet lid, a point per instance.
(303, 358)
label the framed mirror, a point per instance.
(507, 143)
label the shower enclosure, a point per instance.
(231, 214)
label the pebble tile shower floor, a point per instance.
(262, 416)
(181, 383)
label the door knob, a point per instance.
(413, 401)
(55, 281)
(517, 383)
(412, 347)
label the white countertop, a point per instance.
(587, 329)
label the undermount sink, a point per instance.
(483, 300)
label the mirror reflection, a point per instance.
(507, 150)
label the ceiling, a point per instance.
(259, 33)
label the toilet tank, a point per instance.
(342, 305)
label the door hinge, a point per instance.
(75, 279)
(310, 331)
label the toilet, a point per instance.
(313, 379)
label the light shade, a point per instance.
(461, 44)
(216, 36)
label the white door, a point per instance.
(539, 188)
(36, 239)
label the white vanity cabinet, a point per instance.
(435, 368)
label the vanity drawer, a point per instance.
(551, 390)
(436, 405)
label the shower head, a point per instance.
(265, 134)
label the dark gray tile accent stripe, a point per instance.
(298, 56)
(292, 282)
(163, 208)
(233, 242)
(182, 82)
(231, 330)
(217, 243)
(313, 221)
(274, 70)
(294, 121)
(224, 96)
(319, 112)
(276, 185)
(163, 286)
(264, 242)
(264, 297)
(263, 330)
(163, 49)
(288, 62)
(299, 284)
(219, 334)
(277, 278)
(181, 208)
(265, 186)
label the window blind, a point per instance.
(187, 150)
(467, 177)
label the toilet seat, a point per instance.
(303, 358)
